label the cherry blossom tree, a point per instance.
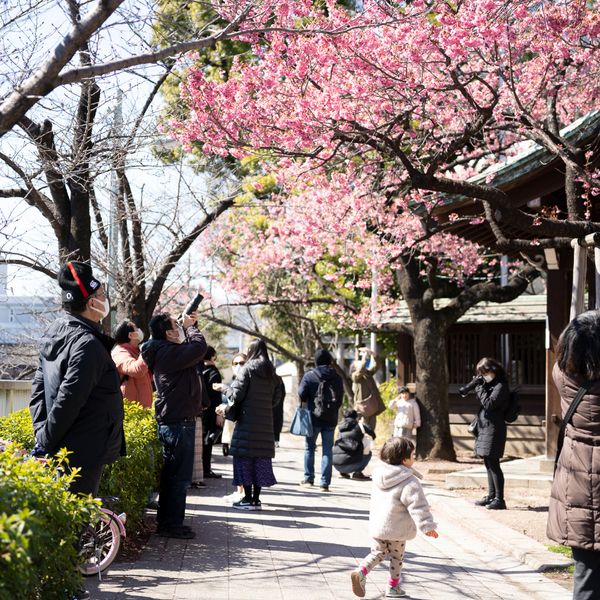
(370, 131)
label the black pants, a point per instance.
(586, 579)
(88, 480)
(495, 477)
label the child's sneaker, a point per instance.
(394, 591)
(358, 583)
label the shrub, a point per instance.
(18, 428)
(385, 421)
(40, 523)
(134, 476)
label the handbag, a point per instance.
(472, 428)
(567, 418)
(302, 423)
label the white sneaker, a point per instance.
(234, 497)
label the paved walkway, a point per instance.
(304, 544)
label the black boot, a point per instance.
(496, 504)
(484, 501)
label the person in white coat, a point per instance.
(408, 415)
(398, 508)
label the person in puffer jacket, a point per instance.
(352, 449)
(398, 508)
(574, 507)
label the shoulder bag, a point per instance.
(302, 423)
(567, 418)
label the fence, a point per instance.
(14, 395)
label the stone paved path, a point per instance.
(303, 545)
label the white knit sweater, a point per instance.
(398, 504)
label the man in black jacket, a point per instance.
(76, 400)
(324, 424)
(173, 356)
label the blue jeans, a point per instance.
(176, 474)
(310, 443)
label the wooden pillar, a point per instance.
(558, 306)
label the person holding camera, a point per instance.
(367, 398)
(491, 387)
(173, 354)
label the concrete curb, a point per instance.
(511, 542)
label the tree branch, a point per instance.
(44, 80)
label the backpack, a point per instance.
(513, 410)
(326, 406)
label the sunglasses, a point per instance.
(240, 362)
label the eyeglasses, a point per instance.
(239, 363)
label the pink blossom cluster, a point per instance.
(344, 103)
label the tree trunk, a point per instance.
(434, 439)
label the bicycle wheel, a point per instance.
(99, 545)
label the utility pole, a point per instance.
(113, 220)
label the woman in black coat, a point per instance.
(252, 396)
(493, 395)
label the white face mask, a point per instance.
(105, 307)
(488, 378)
(138, 336)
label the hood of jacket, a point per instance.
(64, 330)
(325, 372)
(386, 476)
(347, 424)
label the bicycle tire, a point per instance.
(99, 545)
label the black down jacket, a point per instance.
(253, 393)
(76, 400)
(491, 427)
(179, 391)
(348, 448)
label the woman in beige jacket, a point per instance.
(574, 508)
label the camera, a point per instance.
(466, 389)
(192, 305)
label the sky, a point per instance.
(23, 44)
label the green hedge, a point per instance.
(132, 477)
(40, 521)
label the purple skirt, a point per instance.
(253, 471)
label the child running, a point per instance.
(398, 507)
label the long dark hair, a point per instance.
(257, 350)
(490, 365)
(578, 349)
